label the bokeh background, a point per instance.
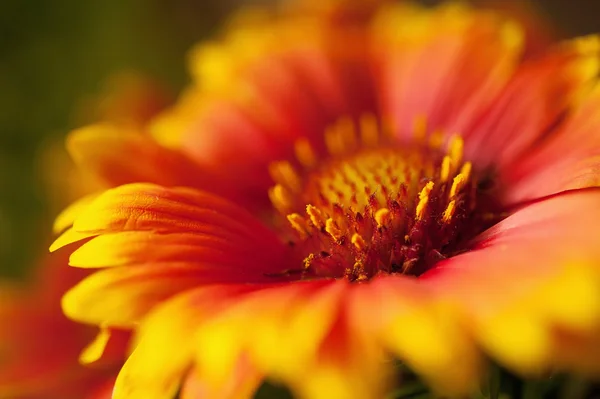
(57, 54)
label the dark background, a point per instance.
(54, 53)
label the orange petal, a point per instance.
(302, 336)
(209, 253)
(119, 156)
(110, 347)
(150, 207)
(531, 273)
(242, 384)
(446, 64)
(127, 293)
(164, 349)
(70, 236)
(538, 95)
(66, 218)
(254, 98)
(421, 333)
(569, 159)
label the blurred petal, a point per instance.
(109, 347)
(540, 92)
(137, 207)
(533, 272)
(164, 349)
(242, 384)
(128, 292)
(445, 64)
(570, 159)
(419, 332)
(120, 156)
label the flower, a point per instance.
(332, 194)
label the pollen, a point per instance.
(368, 204)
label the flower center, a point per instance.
(373, 205)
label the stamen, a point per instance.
(358, 270)
(283, 172)
(423, 199)
(333, 142)
(316, 217)
(305, 153)
(449, 212)
(347, 136)
(358, 241)
(466, 170)
(369, 133)
(299, 224)
(382, 216)
(456, 149)
(374, 205)
(332, 229)
(436, 139)
(280, 198)
(457, 184)
(420, 128)
(445, 169)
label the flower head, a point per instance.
(314, 209)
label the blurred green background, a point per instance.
(54, 53)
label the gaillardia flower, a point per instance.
(334, 193)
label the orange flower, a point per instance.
(430, 200)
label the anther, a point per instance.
(466, 170)
(449, 212)
(283, 173)
(299, 224)
(332, 141)
(358, 241)
(436, 139)
(280, 198)
(305, 153)
(358, 270)
(445, 169)
(423, 199)
(316, 217)
(346, 134)
(332, 229)
(456, 149)
(382, 216)
(457, 184)
(368, 130)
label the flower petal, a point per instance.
(108, 348)
(422, 334)
(301, 336)
(137, 207)
(164, 349)
(253, 97)
(445, 64)
(66, 218)
(540, 92)
(568, 160)
(120, 156)
(206, 252)
(127, 293)
(242, 384)
(533, 272)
